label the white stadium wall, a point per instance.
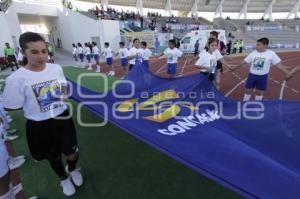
(111, 33)
(13, 23)
(69, 26)
(5, 35)
(75, 27)
(35, 9)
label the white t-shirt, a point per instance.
(137, 52)
(108, 52)
(261, 61)
(146, 54)
(87, 51)
(209, 60)
(38, 93)
(172, 55)
(80, 50)
(123, 53)
(95, 50)
(75, 51)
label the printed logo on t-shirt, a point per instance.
(170, 57)
(213, 65)
(122, 54)
(48, 95)
(139, 55)
(258, 63)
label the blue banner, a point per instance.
(251, 148)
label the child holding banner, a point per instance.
(135, 53)
(209, 57)
(123, 53)
(40, 88)
(146, 54)
(173, 54)
(261, 60)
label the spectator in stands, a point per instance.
(157, 46)
(229, 46)
(10, 55)
(196, 51)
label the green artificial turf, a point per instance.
(115, 165)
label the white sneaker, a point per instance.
(16, 162)
(111, 73)
(68, 187)
(10, 137)
(89, 68)
(98, 70)
(75, 176)
(11, 131)
(9, 119)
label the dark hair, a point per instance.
(135, 40)
(209, 42)
(26, 38)
(172, 41)
(121, 43)
(74, 45)
(106, 44)
(215, 33)
(94, 43)
(143, 43)
(79, 44)
(264, 41)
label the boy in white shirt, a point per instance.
(173, 54)
(80, 54)
(75, 52)
(260, 60)
(135, 53)
(108, 53)
(96, 56)
(123, 53)
(88, 55)
(146, 54)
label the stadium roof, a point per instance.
(253, 6)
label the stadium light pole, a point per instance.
(219, 10)
(269, 10)
(194, 9)
(294, 10)
(244, 10)
(168, 8)
(140, 7)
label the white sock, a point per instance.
(8, 195)
(259, 97)
(247, 97)
(90, 65)
(98, 67)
